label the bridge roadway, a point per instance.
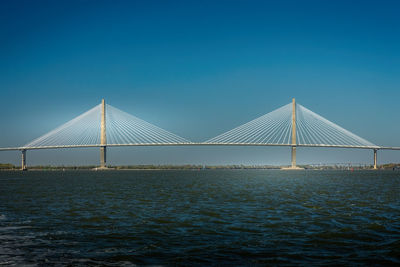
(103, 149)
(200, 144)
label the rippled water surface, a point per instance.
(222, 217)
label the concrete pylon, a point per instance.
(375, 159)
(294, 143)
(294, 133)
(103, 137)
(23, 160)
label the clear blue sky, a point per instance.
(199, 68)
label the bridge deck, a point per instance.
(199, 144)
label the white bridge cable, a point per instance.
(264, 131)
(316, 130)
(284, 126)
(258, 135)
(121, 128)
(312, 129)
(274, 128)
(271, 128)
(82, 130)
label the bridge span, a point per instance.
(289, 126)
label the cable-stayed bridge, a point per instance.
(292, 125)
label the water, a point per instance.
(221, 217)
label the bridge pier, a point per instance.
(375, 159)
(294, 157)
(23, 160)
(103, 157)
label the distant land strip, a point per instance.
(338, 166)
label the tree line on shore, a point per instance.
(8, 166)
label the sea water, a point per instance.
(199, 217)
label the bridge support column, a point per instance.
(23, 160)
(294, 134)
(294, 143)
(375, 159)
(294, 157)
(103, 136)
(103, 157)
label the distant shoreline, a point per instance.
(10, 167)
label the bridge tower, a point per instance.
(294, 134)
(103, 137)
